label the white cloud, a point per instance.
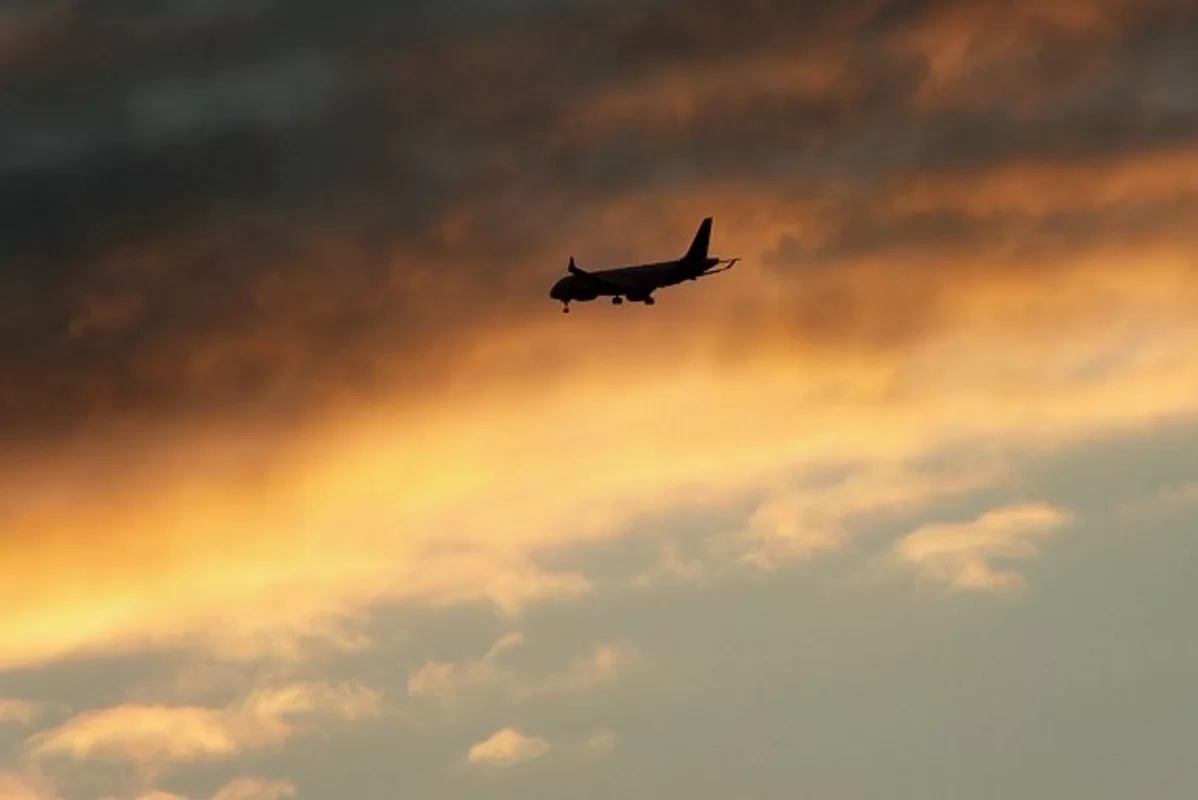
(159, 734)
(962, 555)
(506, 748)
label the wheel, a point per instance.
(617, 301)
(649, 301)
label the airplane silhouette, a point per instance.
(637, 283)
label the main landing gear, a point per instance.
(617, 301)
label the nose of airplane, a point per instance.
(558, 292)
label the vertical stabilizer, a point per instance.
(701, 243)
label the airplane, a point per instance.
(637, 283)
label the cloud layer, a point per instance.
(276, 351)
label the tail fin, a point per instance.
(701, 243)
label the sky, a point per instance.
(308, 489)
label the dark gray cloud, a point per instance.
(213, 206)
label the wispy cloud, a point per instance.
(18, 711)
(964, 555)
(450, 683)
(446, 681)
(1168, 498)
(601, 742)
(256, 789)
(159, 734)
(237, 789)
(802, 522)
(506, 748)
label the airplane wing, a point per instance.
(603, 280)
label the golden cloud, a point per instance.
(241, 539)
(962, 555)
(506, 748)
(805, 521)
(159, 734)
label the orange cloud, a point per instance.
(961, 555)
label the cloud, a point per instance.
(255, 789)
(238, 415)
(1168, 498)
(18, 711)
(158, 734)
(962, 555)
(601, 742)
(806, 521)
(459, 501)
(245, 788)
(506, 748)
(602, 667)
(173, 255)
(446, 681)
(17, 786)
(451, 683)
(1179, 495)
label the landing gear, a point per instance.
(649, 301)
(566, 307)
(617, 301)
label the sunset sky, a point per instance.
(308, 489)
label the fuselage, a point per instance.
(635, 282)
